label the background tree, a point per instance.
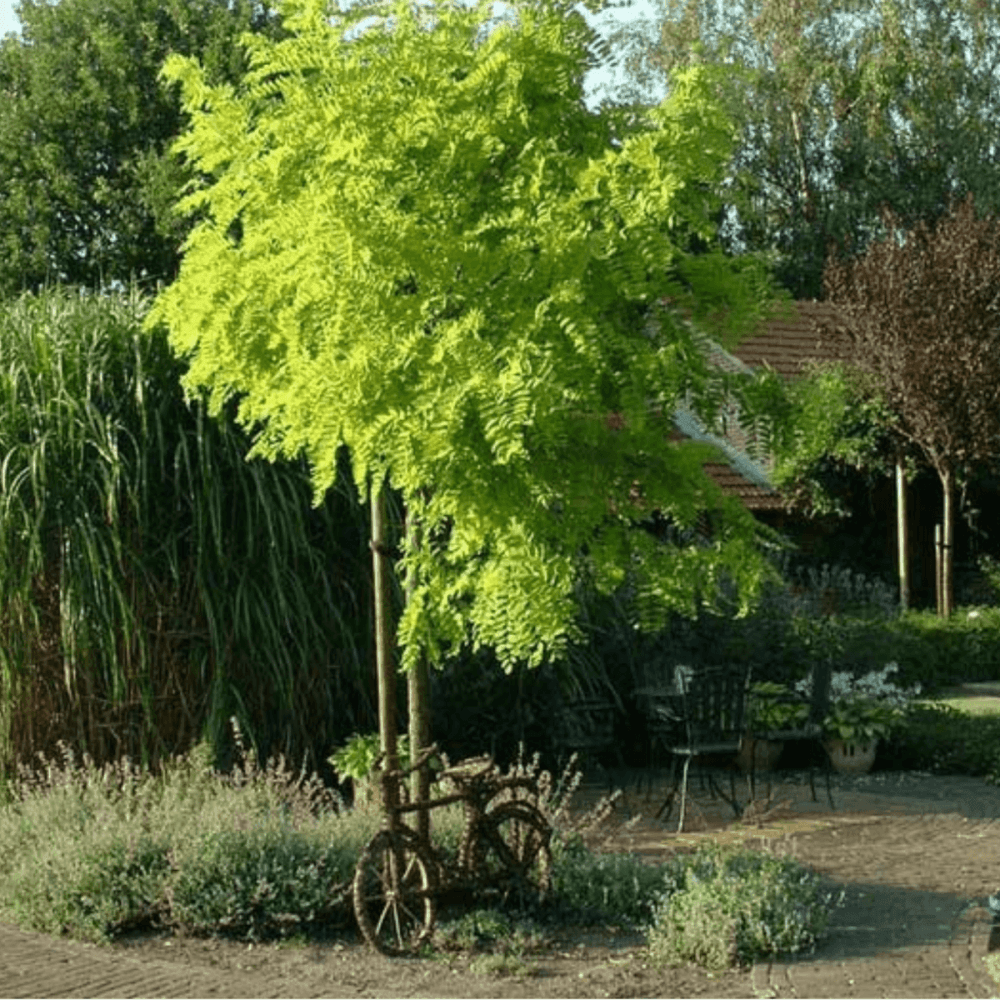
(85, 188)
(820, 428)
(844, 108)
(417, 243)
(922, 309)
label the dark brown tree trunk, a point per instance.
(385, 668)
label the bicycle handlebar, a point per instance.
(401, 772)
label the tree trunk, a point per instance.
(901, 537)
(418, 697)
(385, 668)
(947, 562)
(938, 587)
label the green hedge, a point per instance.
(931, 651)
(939, 652)
(944, 740)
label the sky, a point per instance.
(595, 83)
(8, 19)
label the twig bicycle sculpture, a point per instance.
(504, 850)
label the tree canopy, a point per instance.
(830, 420)
(86, 189)
(844, 108)
(413, 240)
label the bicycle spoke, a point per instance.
(393, 893)
(511, 852)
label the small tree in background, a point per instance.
(922, 310)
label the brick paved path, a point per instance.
(36, 965)
(914, 925)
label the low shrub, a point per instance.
(94, 851)
(258, 853)
(92, 893)
(263, 853)
(264, 882)
(939, 652)
(592, 887)
(724, 907)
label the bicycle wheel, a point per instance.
(394, 893)
(510, 852)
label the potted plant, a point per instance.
(771, 708)
(863, 710)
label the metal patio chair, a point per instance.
(707, 714)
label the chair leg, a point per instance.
(812, 782)
(829, 790)
(684, 788)
(730, 799)
(663, 813)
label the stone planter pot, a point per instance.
(851, 758)
(758, 755)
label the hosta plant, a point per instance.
(865, 709)
(773, 707)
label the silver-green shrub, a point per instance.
(593, 887)
(723, 907)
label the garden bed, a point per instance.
(914, 855)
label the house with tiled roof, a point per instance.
(787, 342)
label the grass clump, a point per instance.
(500, 942)
(490, 930)
(729, 907)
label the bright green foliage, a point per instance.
(828, 420)
(725, 907)
(417, 242)
(86, 186)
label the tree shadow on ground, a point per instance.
(876, 919)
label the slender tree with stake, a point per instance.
(415, 241)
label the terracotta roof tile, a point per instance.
(752, 496)
(788, 340)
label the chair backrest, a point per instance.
(714, 705)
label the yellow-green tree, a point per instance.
(416, 242)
